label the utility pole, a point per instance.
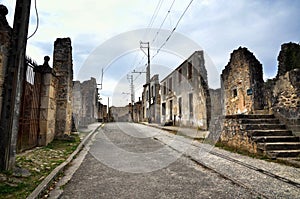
(144, 45)
(130, 78)
(108, 117)
(9, 124)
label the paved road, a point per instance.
(128, 160)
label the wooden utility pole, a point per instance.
(12, 88)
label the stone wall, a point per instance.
(283, 99)
(216, 103)
(63, 68)
(282, 94)
(235, 135)
(242, 83)
(77, 102)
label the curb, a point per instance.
(45, 184)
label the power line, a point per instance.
(37, 21)
(166, 16)
(155, 13)
(170, 35)
(173, 30)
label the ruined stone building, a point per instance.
(242, 83)
(245, 92)
(184, 94)
(151, 107)
(262, 117)
(282, 94)
(85, 102)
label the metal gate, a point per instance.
(29, 113)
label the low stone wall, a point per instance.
(235, 135)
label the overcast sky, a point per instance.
(216, 26)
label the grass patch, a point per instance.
(39, 162)
(240, 151)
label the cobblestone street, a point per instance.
(126, 160)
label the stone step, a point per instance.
(270, 133)
(249, 116)
(275, 139)
(262, 112)
(264, 126)
(269, 146)
(260, 121)
(283, 153)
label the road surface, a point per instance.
(127, 160)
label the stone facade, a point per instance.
(184, 94)
(154, 100)
(242, 83)
(85, 102)
(63, 68)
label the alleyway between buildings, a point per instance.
(128, 160)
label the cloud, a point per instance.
(217, 26)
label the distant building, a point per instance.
(184, 94)
(102, 112)
(137, 112)
(151, 108)
(120, 114)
